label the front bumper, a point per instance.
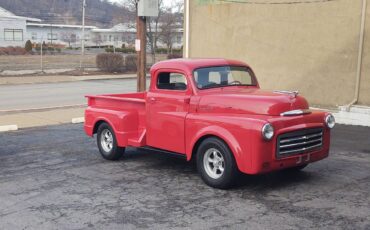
(264, 155)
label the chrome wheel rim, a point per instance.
(214, 163)
(106, 140)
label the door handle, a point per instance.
(152, 100)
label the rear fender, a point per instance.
(124, 124)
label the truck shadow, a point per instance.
(176, 166)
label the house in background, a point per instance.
(13, 29)
(16, 30)
(125, 33)
(68, 35)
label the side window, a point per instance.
(171, 81)
(215, 77)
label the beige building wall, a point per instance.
(365, 76)
(310, 47)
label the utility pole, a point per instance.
(83, 35)
(141, 58)
(41, 55)
(145, 8)
(51, 34)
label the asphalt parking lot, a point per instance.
(54, 178)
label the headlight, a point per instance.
(267, 131)
(330, 121)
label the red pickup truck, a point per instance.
(212, 111)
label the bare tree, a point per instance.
(69, 37)
(152, 33)
(130, 4)
(168, 30)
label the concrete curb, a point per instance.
(78, 120)
(7, 128)
(29, 110)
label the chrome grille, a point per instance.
(298, 142)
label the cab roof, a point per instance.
(189, 65)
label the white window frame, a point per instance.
(12, 33)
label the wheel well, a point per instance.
(96, 126)
(199, 141)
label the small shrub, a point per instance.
(129, 50)
(178, 51)
(131, 62)
(161, 50)
(109, 50)
(123, 45)
(109, 62)
(174, 56)
(28, 46)
(2, 51)
(13, 51)
(59, 50)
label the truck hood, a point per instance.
(250, 101)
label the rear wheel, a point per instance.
(107, 143)
(216, 164)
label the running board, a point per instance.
(161, 151)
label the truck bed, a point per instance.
(127, 97)
(124, 112)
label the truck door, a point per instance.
(167, 106)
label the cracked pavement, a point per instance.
(54, 178)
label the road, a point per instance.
(29, 96)
(53, 178)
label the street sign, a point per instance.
(137, 45)
(148, 8)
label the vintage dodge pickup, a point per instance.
(214, 112)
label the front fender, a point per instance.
(237, 131)
(219, 132)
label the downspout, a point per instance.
(360, 54)
(187, 26)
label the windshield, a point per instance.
(222, 76)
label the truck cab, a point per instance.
(214, 112)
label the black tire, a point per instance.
(230, 170)
(115, 152)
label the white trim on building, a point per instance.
(13, 29)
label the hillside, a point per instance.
(98, 13)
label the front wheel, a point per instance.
(107, 143)
(216, 164)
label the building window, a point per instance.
(13, 35)
(34, 36)
(52, 36)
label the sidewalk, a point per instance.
(41, 118)
(13, 80)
